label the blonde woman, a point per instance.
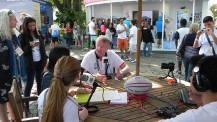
(55, 104)
(187, 51)
(10, 60)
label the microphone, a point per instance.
(105, 60)
(89, 79)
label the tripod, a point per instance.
(168, 75)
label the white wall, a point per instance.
(18, 7)
(103, 11)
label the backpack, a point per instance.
(55, 33)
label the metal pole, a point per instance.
(111, 11)
(193, 12)
(138, 37)
(163, 22)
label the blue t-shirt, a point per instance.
(159, 24)
(127, 22)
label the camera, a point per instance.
(169, 66)
(203, 30)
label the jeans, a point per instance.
(63, 41)
(37, 73)
(188, 68)
(149, 45)
(114, 38)
(68, 42)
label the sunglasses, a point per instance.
(10, 12)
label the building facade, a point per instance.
(171, 11)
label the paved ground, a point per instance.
(148, 66)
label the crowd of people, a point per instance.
(123, 33)
(65, 35)
(25, 60)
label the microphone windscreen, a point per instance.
(84, 78)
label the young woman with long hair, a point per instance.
(35, 57)
(186, 48)
(55, 104)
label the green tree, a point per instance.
(214, 12)
(69, 10)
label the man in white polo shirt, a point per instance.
(201, 39)
(93, 63)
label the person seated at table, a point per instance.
(196, 96)
(55, 54)
(203, 81)
(55, 104)
(93, 61)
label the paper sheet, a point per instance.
(97, 96)
(108, 95)
(123, 100)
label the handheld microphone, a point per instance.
(89, 79)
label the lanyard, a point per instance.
(210, 43)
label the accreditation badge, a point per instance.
(19, 51)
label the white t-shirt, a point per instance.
(133, 31)
(122, 35)
(91, 26)
(54, 27)
(89, 62)
(206, 113)
(36, 52)
(182, 32)
(206, 49)
(108, 34)
(70, 109)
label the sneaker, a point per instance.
(179, 72)
(133, 61)
(128, 59)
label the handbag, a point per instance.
(181, 49)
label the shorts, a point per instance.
(122, 44)
(132, 48)
(5, 86)
(55, 39)
(159, 35)
(93, 38)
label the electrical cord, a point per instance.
(151, 96)
(103, 91)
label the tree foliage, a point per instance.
(69, 10)
(214, 12)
